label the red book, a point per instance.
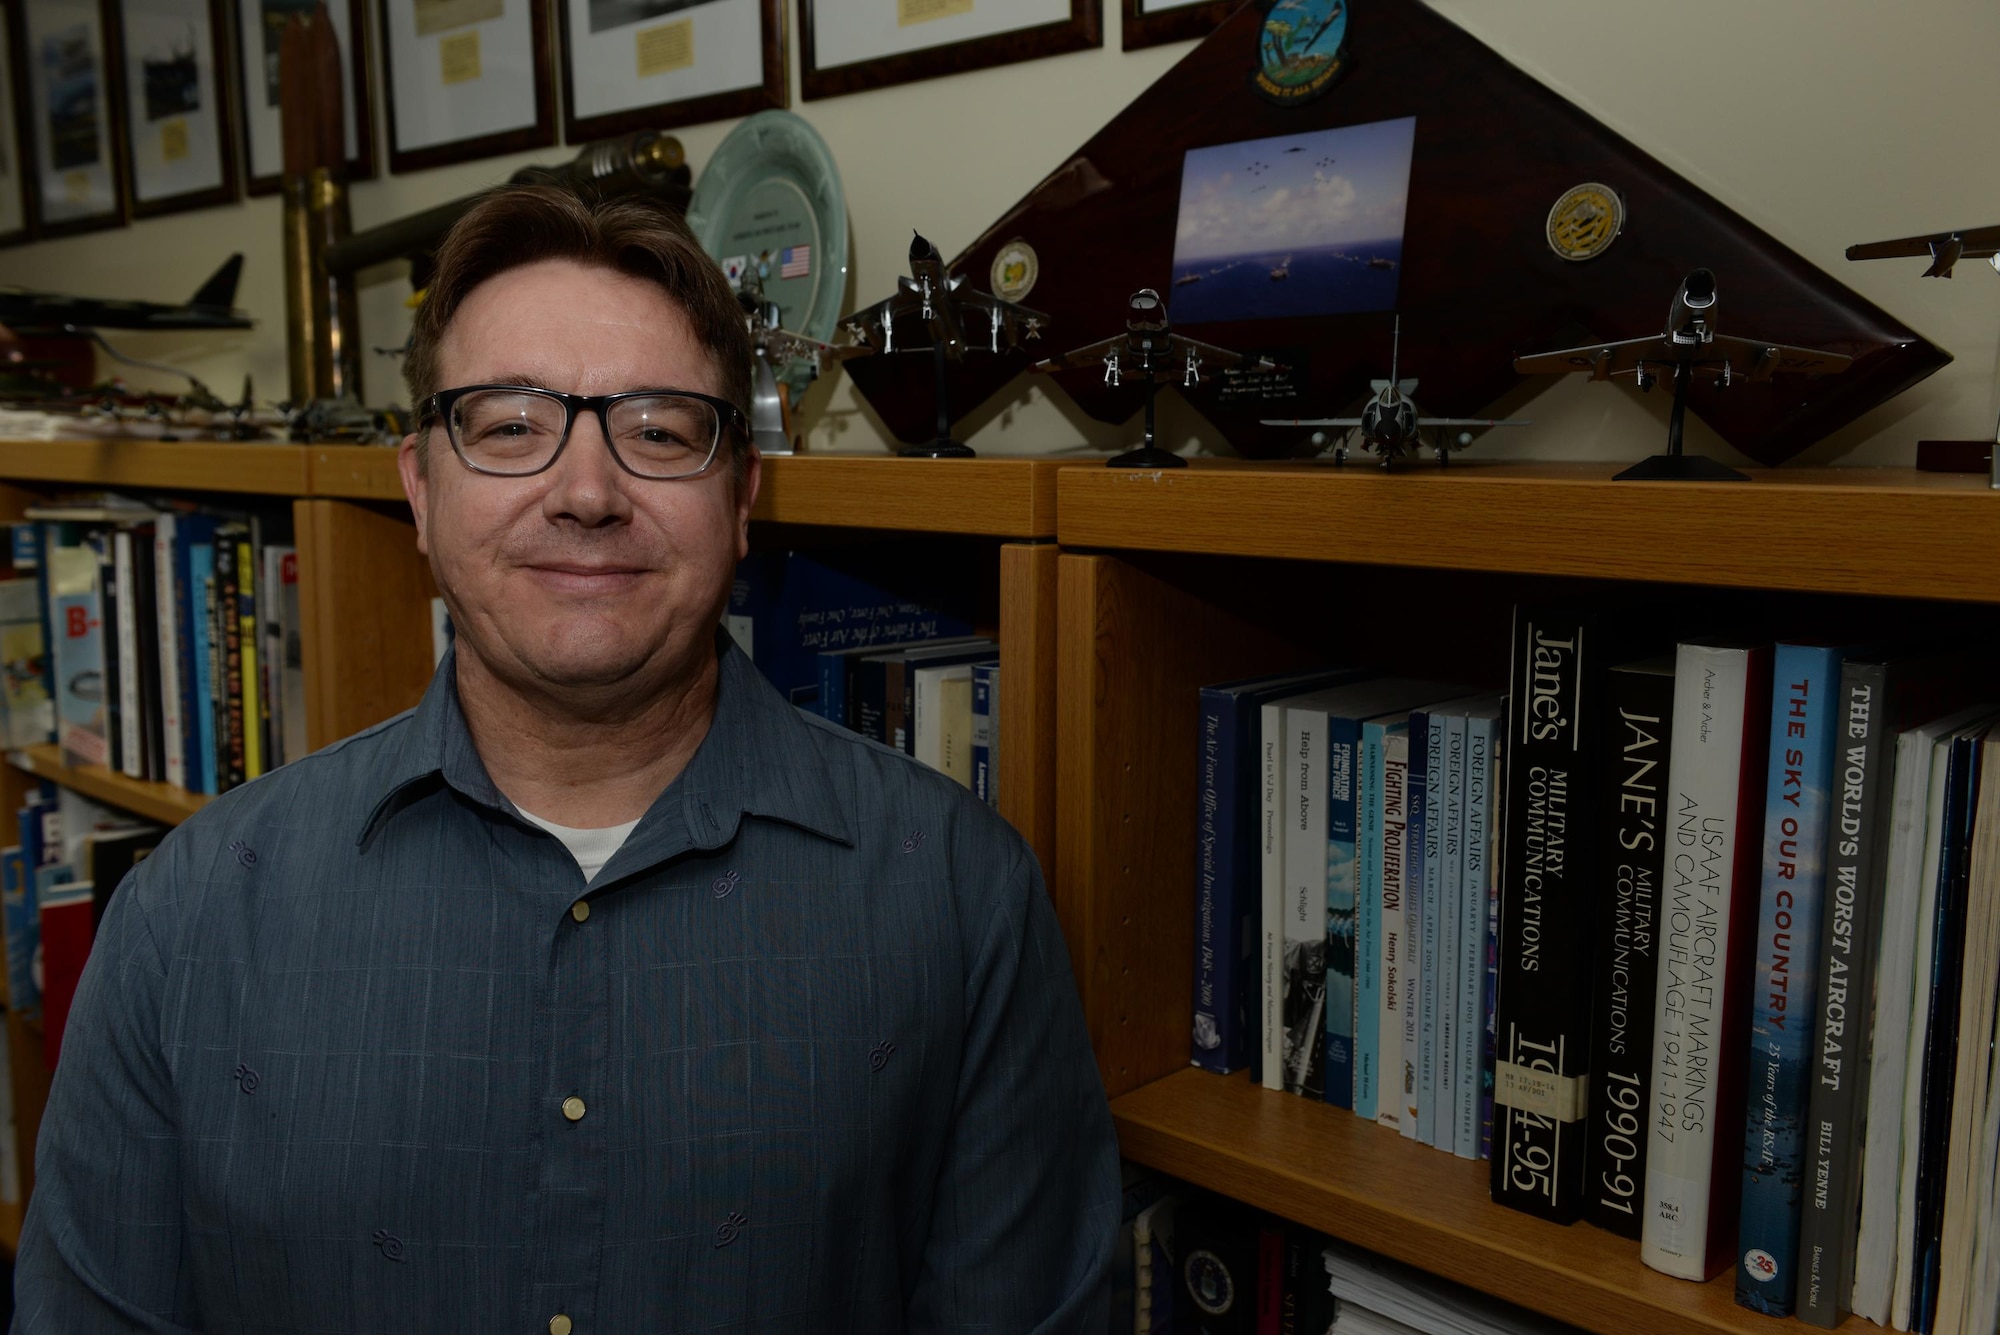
(66, 935)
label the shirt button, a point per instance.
(580, 910)
(572, 1109)
(559, 1324)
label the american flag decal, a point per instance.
(795, 261)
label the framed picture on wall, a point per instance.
(13, 162)
(179, 134)
(654, 64)
(849, 46)
(465, 79)
(68, 53)
(1157, 22)
(260, 30)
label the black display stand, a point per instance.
(1674, 466)
(943, 446)
(1148, 455)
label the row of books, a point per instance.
(1195, 1263)
(1748, 952)
(173, 637)
(54, 885)
(1346, 901)
(845, 639)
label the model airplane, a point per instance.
(932, 294)
(782, 364)
(1150, 351)
(1943, 249)
(1390, 424)
(1689, 347)
(211, 307)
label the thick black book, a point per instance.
(1217, 1240)
(145, 591)
(1309, 1306)
(111, 676)
(1631, 868)
(1879, 698)
(1556, 715)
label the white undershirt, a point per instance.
(591, 848)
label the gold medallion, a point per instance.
(1014, 272)
(1585, 221)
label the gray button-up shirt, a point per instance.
(346, 1059)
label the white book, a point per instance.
(928, 704)
(131, 723)
(955, 720)
(1271, 860)
(1718, 689)
(1303, 1006)
(1399, 1077)
(170, 658)
(1877, 1249)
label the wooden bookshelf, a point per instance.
(1000, 498)
(155, 801)
(1888, 531)
(253, 468)
(1326, 1168)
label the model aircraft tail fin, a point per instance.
(1395, 348)
(219, 291)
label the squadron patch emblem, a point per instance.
(1585, 221)
(1015, 268)
(1301, 50)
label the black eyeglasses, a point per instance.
(515, 431)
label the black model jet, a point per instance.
(1689, 347)
(1150, 351)
(211, 307)
(1390, 423)
(1943, 249)
(949, 314)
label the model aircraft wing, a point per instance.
(1015, 320)
(1760, 360)
(866, 323)
(782, 345)
(1943, 249)
(1473, 421)
(1311, 421)
(1092, 354)
(1213, 357)
(1754, 358)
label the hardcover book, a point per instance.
(1632, 859)
(1804, 679)
(1722, 698)
(985, 733)
(1390, 992)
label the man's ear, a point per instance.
(416, 486)
(746, 499)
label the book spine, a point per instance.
(1542, 1025)
(230, 722)
(1270, 1278)
(1838, 1057)
(165, 551)
(132, 718)
(1391, 974)
(1343, 867)
(1799, 771)
(271, 651)
(1271, 869)
(146, 612)
(1485, 799)
(1457, 1063)
(1305, 902)
(1368, 925)
(1633, 860)
(982, 733)
(203, 775)
(1432, 992)
(1217, 1041)
(105, 543)
(188, 530)
(870, 696)
(1715, 763)
(253, 677)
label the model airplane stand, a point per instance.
(943, 446)
(1674, 466)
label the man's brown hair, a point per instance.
(518, 225)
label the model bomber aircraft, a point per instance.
(935, 296)
(1150, 350)
(1390, 423)
(211, 307)
(776, 356)
(1690, 346)
(1943, 249)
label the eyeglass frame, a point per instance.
(436, 408)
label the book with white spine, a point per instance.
(1716, 767)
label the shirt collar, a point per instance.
(760, 758)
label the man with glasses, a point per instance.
(603, 991)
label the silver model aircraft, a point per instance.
(950, 314)
(1688, 347)
(1390, 423)
(1943, 249)
(1150, 351)
(782, 363)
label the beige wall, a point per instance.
(1825, 123)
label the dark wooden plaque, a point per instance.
(1479, 283)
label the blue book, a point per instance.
(191, 530)
(1371, 1091)
(985, 730)
(1229, 871)
(1427, 733)
(203, 776)
(1479, 926)
(24, 929)
(1451, 845)
(1804, 687)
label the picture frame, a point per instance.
(689, 61)
(74, 127)
(1157, 22)
(850, 46)
(180, 130)
(259, 27)
(15, 173)
(465, 79)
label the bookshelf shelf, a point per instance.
(352, 472)
(1326, 1168)
(1885, 531)
(154, 801)
(999, 498)
(273, 469)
